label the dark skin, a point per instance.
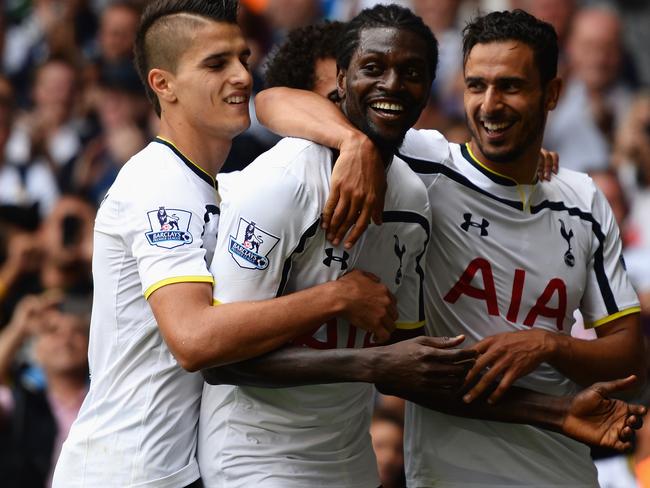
(425, 370)
(382, 93)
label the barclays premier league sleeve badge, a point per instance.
(251, 247)
(169, 227)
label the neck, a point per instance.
(522, 169)
(207, 152)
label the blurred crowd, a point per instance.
(72, 112)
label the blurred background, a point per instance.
(73, 111)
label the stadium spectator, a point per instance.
(40, 397)
(48, 134)
(22, 183)
(596, 96)
(67, 243)
(387, 432)
(122, 112)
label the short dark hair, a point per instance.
(158, 43)
(293, 63)
(385, 16)
(516, 25)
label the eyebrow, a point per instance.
(225, 54)
(505, 79)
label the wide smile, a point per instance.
(236, 100)
(388, 110)
(495, 130)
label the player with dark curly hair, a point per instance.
(307, 59)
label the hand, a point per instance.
(357, 191)
(29, 315)
(369, 305)
(416, 367)
(24, 254)
(596, 419)
(510, 355)
(548, 162)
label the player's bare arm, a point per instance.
(358, 180)
(618, 352)
(590, 417)
(428, 371)
(201, 335)
(432, 362)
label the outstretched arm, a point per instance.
(428, 371)
(358, 180)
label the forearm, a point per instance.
(11, 338)
(518, 405)
(301, 113)
(617, 354)
(295, 366)
(204, 336)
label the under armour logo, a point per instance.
(329, 252)
(468, 223)
(569, 259)
(399, 252)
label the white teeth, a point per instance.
(495, 126)
(387, 106)
(235, 99)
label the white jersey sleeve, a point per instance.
(164, 230)
(608, 293)
(262, 223)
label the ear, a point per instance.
(553, 90)
(340, 82)
(162, 83)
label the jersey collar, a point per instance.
(195, 168)
(493, 175)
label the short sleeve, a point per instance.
(609, 294)
(264, 219)
(164, 226)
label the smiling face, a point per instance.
(386, 84)
(505, 103)
(211, 85)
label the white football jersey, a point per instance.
(270, 243)
(137, 426)
(506, 257)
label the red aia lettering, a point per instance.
(540, 308)
(464, 285)
(488, 294)
(310, 341)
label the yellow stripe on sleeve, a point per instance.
(609, 318)
(409, 325)
(178, 279)
(215, 302)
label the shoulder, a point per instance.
(429, 145)
(291, 163)
(151, 167)
(574, 188)
(289, 153)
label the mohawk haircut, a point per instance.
(293, 63)
(520, 26)
(392, 16)
(165, 30)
